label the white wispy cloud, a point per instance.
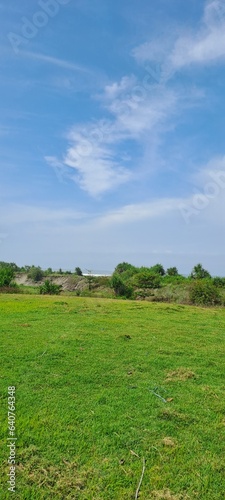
(93, 165)
(203, 46)
(55, 61)
(95, 151)
(141, 211)
(139, 110)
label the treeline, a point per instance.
(141, 282)
(36, 272)
(128, 282)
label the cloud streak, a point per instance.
(55, 61)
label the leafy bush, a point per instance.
(146, 279)
(219, 282)
(6, 276)
(172, 271)
(204, 292)
(174, 279)
(49, 288)
(35, 273)
(121, 289)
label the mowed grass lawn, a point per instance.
(88, 375)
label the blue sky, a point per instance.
(112, 133)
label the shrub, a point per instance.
(174, 279)
(120, 288)
(6, 276)
(49, 288)
(204, 292)
(219, 282)
(35, 273)
(146, 279)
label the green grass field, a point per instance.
(88, 375)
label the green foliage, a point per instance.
(146, 279)
(120, 288)
(35, 273)
(174, 279)
(24, 269)
(6, 276)
(48, 271)
(198, 272)
(49, 288)
(90, 279)
(204, 292)
(123, 267)
(157, 269)
(9, 265)
(219, 282)
(172, 271)
(129, 273)
(78, 271)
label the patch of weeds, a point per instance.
(167, 495)
(180, 375)
(168, 441)
(175, 416)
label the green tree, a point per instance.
(78, 271)
(157, 269)
(122, 267)
(198, 272)
(172, 271)
(35, 273)
(9, 265)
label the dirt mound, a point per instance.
(69, 283)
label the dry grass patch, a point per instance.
(168, 441)
(181, 374)
(167, 495)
